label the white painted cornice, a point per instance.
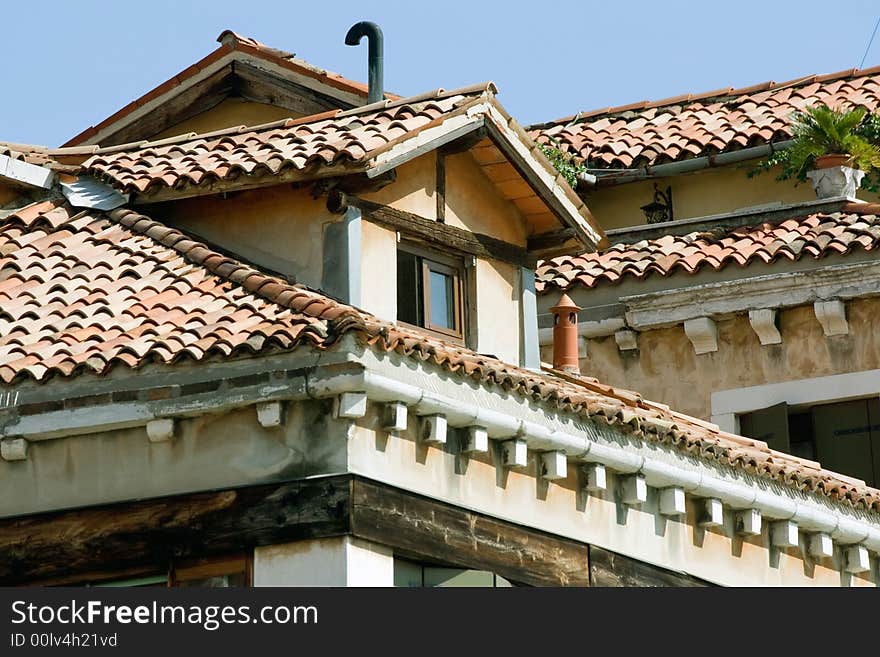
(672, 307)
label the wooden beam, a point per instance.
(199, 98)
(610, 569)
(440, 186)
(153, 532)
(260, 86)
(555, 242)
(421, 528)
(448, 237)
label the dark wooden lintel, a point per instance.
(444, 235)
(426, 529)
(150, 535)
(615, 570)
(154, 532)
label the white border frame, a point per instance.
(728, 404)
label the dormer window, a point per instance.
(430, 292)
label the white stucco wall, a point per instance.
(340, 561)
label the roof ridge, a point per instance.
(687, 98)
(438, 94)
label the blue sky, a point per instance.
(69, 65)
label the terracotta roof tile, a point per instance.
(645, 134)
(816, 235)
(174, 308)
(325, 139)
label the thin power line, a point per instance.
(870, 41)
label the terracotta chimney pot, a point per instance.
(565, 335)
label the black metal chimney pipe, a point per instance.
(375, 64)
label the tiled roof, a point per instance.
(857, 227)
(81, 290)
(231, 42)
(651, 133)
(333, 138)
(85, 291)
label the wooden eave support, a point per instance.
(444, 235)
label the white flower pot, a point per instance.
(836, 181)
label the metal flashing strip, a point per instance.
(88, 192)
(24, 173)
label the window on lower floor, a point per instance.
(410, 574)
(842, 436)
(430, 292)
(206, 573)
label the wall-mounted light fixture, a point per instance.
(660, 209)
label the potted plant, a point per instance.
(833, 148)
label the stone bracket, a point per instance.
(703, 334)
(832, 317)
(763, 322)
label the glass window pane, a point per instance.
(442, 300)
(407, 574)
(457, 577)
(408, 289)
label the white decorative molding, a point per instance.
(763, 323)
(748, 522)
(13, 449)
(857, 559)
(515, 453)
(433, 429)
(351, 405)
(476, 440)
(672, 307)
(554, 465)
(672, 501)
(593, 329)
(597, 478)
(633, 489)
(832, 316)
(269, 414)
(396, 417)
(713, 513)
(784, 534)
(702, 333)
(626, 340)
(821, 546)
(161, 430)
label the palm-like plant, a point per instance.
(818, 131)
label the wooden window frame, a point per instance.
(430, 261)
(213, 567)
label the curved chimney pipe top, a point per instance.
(375, 56)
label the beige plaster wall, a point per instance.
(666, 369)
(379, 271)
(698, 194)
(276, 227)
(498, 310)
(229, 112)
(472, 201)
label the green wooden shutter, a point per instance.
(768, 424)
(843, 438)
